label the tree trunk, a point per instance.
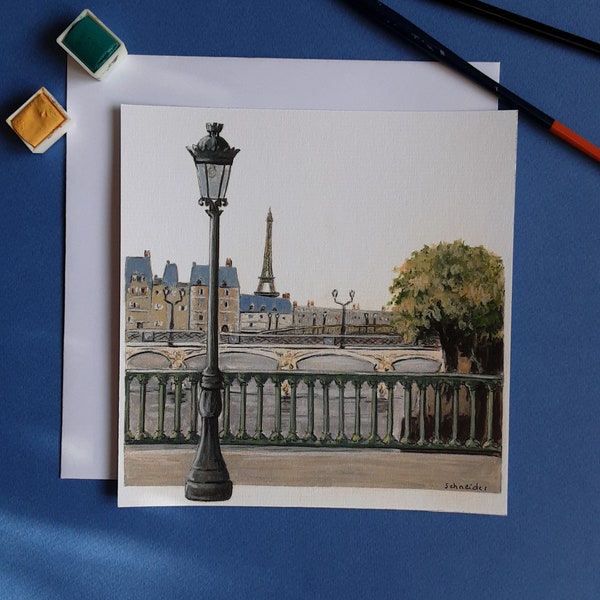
(449, 351)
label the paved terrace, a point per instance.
(309, 467)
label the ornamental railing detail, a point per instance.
(420, 412)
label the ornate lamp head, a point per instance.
(213, 158)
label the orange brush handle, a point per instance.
(569, 136)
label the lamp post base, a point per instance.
(208, 479)
(208, 491)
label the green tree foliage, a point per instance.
(455, 293)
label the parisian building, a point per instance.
(165, 303)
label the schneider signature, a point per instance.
(472, 487)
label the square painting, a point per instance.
(351, 348)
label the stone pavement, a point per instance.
(304, 467)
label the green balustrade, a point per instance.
(416, 412)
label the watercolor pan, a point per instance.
(91, 44)
(40, 122)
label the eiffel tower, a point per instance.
(266, 281)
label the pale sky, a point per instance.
(352, 193)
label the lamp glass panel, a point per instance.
(202, 180)
(214, 177)
(225, 180)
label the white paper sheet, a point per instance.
(91, 339)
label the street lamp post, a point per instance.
(172, 303)
(334, 293)
(208, 479)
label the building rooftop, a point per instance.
(170, 275)
(256, 303)
(138, 265)
(227, 276)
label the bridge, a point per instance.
(312, 357)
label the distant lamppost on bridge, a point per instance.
(180, 294)
(208, 479)
(334, 293)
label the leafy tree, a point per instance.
(455, 293)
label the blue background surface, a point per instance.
(67, 539)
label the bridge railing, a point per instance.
(317, 338)
(165, 336)
(432, 412)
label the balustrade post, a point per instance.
(406, 439)
(422, 412)
(310, 436)
(437, 440)
(292, 434)
(389, 438)
(276, 436)
(325, 434)
(373, 437)
(258, 432)
(126, 417)
(177, 435)
(242, 434)
(356, 436)
(472, 398)
(162, 395)
(226, 433)
(193, 433)
(142, 434)
(454, 441)
(490, 443)
(341, 436)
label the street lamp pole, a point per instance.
(208, 479)
(166, 293)
(334, 293)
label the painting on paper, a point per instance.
(361, 310)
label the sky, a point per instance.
(352, 193)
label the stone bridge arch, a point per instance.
(274, 358)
